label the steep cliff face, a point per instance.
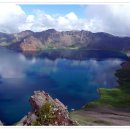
(46, 111)
(31, 44)
(33, 41)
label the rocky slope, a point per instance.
(51, 39)
(102, 116)
(46, 111)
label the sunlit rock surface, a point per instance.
(51, 39)
(56, 115)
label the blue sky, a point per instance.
(56, 9)
(110, 18)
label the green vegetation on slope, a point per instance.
(112, 106)
(111, 97)
(124, 79)
(45, 115)
(116, 97)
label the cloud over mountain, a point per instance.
(113, 19)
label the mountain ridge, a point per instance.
(51, 39)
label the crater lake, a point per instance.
(73, 78)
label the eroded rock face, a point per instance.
(33, 41)
(42, 114)
(31, 44)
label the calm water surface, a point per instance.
(74, 82)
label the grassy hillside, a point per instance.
(116, 97)
(113, 106)
(111, 97)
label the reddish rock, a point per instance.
(31, 44)
(60, 112)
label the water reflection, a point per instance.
(13, 65)
(74, 82)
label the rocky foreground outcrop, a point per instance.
(46, 111)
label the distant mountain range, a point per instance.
(52, 39)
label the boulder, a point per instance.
(46, 111)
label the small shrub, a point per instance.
(45, 115)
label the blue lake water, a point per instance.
(74, 82)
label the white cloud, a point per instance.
(41, 21)
(11, 17)
(14, 19)
(113, 19)
(72, 17)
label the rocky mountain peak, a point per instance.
(24, 34)
(51, 31)
(52, 39)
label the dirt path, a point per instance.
(102, 116)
